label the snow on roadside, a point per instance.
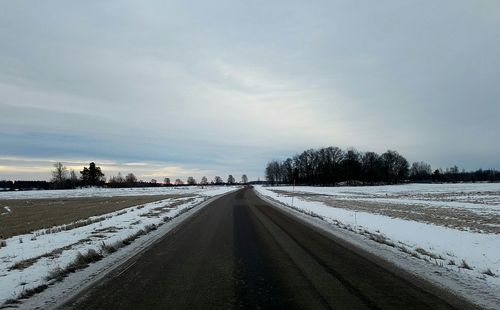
(446, 245)
(65, 245)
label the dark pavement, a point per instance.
(239, 252)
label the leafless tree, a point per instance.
(59, 174)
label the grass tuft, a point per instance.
(465, 265)
(32, 291)
(488, 272)
(427, 253)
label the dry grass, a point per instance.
(488, 272)
(34, 214)
(80, 262)
(23, 264)
(465, 265)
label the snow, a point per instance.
(112, 192)
(114, 228)
(7, 210)
(479, 196)
(480, 250)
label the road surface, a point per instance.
(240, 252)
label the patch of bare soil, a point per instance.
(457, 218)
(28, 215)
(483, 197)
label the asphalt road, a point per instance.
(240, 252)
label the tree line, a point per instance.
(334, 166)
(62, 178)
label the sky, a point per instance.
(181, 88)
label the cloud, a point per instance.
(226, 88)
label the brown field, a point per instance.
(33, 214)
(456, 218)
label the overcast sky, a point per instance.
(178, 88)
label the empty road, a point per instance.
(240, 252)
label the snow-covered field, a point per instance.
(435, 223)
(27, 260)
(112, 192)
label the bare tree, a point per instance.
(59, 174)
(204, 181)
(191, 181)
(218, 180)
(178, 182)
(117, 181)
(421, 171)
(131, 179)
(166, 181)
(230, 179)
(244, 179)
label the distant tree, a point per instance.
(204, 181)
(420, 171)
(6, 185)
(371, 167)
(131, 179)
(191, 181)
(117, 181)
(59, 175)
(244, 179)
(73, 179)
(437, 176)
(153, 181)
(352, 165)
(230, 179)
(396, 167)
(273, 172)
(218, 180)
(92, 176)
(178, 182)
(166, 181)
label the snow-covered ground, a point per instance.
(450, 248)
(112, 192)
(27, 260)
